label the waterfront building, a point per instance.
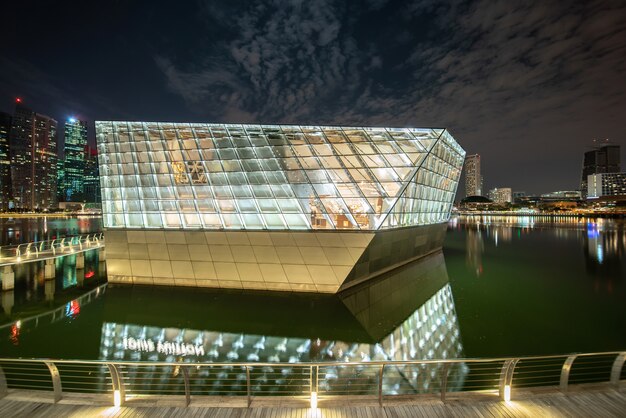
(91, 183)
(517, 196)
(501, 195)
(5, 162)
(299, 208)
(603, 159)
(562, 195)
(475, 203)
(33, 152)
(74, 161)
(607, 185)
(473, 178)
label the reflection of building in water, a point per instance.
(69, 310)
(604, 248)
(407, 316)
(475, 248)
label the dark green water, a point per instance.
(501, 287)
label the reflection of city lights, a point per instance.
(15, 333)
(592, 230)
(600, 253)
(72, 309)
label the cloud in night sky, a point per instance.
(527, 85)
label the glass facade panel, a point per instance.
(213, 176)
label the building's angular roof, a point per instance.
(213, 176)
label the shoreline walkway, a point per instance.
(597, 400)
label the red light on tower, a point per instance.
(18, 100)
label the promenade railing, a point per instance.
(123, 381)
(33, 251)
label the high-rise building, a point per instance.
(33, 152)
(603, 159)
(74, 161)
(607, 185)
(5, 161)
(501, 195)
(473, 178)
(61, 180)
(92, 176)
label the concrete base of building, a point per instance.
(308, 261)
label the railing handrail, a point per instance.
(36, 250)
(98, 235)
(119, 380)
(308, 364)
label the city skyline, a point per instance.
(527, 87)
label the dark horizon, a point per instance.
(528, 87)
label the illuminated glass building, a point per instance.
(300, 208)
(33, 149)
(74, 163)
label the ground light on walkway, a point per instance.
(584, 401)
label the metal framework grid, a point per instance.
(273, 177)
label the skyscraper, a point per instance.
(473, 178)
(92, 177)
(603, 159)
(74, 161)
(33, 153)
(61, 180)
(501, 195)
(5, 162)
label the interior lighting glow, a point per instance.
(507, 393)
(313, 400)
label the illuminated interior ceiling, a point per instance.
(275, 177)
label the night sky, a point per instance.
(526, 86)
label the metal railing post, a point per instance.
(506, 377)
(187, 386)
(616, 370)
(567, 366)
(248, 386)
(444, 381)
(118, 383)
(4, 388)
(380, 385)
(56, 380)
